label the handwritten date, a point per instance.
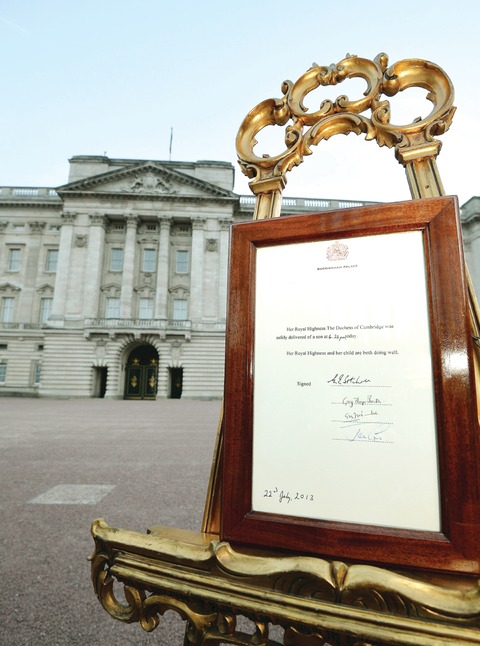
(284, 496)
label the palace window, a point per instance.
(181, 266)
(145, 308)
(45, 309)
(14, 260)
(52, 260)
(149, 257)
(182, 229)
(3, 371)
(179, 312)
(112, 308)
(7, 307)
(37, 372)
(116, 259)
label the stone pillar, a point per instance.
(27, 310)
(95, 254)
(161, 296)
(63, 269)
(36, 228)
(472, 251)
(210, 275)
(470, 218)
(196, 270)
(223, 268)
(126, 294)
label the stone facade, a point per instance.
(118, 275)
(470, 216)
(115, 284)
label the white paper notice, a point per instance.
(344, 422)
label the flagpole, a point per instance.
(170, 149)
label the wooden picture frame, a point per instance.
(350, 426)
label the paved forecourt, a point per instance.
(64, 463)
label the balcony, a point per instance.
(22, 326)
(138, 326)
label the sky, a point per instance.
(119, 77)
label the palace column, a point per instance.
(223, 268)
(36, 229)
(57, 316)
(126, 294)
(96, 243)
(196, 270)
(161, 296)
(27, 310)
(470, 219)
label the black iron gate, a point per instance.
(141, 373)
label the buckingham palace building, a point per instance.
(115, 284)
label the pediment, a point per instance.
(180, 291)
(9, 287)
(111, 289)
(45, 288)
(144, 289)
(146, 179)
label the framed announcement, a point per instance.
(350, 410)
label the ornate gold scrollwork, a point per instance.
(103, 585)
(414, 143)
(422, 74)
(315, 601)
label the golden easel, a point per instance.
(316, 601)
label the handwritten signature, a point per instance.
(361, 435)
(358, 401)
(347, 380)
(364, 430)
(353, 416)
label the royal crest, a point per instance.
(150, 183)
(337, 251)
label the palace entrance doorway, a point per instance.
(176, 382)
(141, 373)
